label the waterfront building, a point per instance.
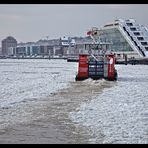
(55, 47)
(7, 43)
(40, 48)
(127, 37)
(124, 37)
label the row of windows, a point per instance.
(137, 34)
(139, 38)
(35, 50)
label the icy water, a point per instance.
(40, 102)
(24, 80)
(120, 113)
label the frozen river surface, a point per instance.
(43, 97)
(120, 113)
(24, 80)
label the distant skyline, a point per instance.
(31, 22)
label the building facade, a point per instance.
(127, 37)
(8, 43)
(56, 47)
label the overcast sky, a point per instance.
(36, 21)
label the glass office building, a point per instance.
(118, 42)
(126, 36)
